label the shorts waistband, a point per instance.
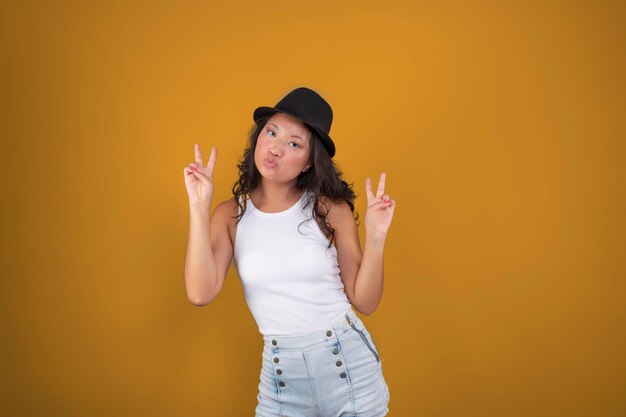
(315, 337)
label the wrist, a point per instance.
(375, 237)
(202, 207)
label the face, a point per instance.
(282, 149)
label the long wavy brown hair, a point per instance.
(322, 179)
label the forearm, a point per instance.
(368, 287)
(200, 268)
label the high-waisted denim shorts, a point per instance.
(335, 371)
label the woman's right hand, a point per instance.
(199, 179)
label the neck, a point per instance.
(277, 194)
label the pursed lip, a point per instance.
(269, 163)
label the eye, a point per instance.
(269, 130)
(295, 144)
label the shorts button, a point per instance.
(335, 351)
(281, 383)
(342, 375)
(338, 363)
(279, 371)
(276, 360)
(274, 342)
(329, 333)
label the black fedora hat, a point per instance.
(309, 107)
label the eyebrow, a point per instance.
(293, 136)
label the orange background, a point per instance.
(500, 126)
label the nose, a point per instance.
(274, 148)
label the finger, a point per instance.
(202, 177)
(368, 188)
(197, 175)
(191, 168)
(190, 171)
(211, 164)
(198, 154)
(388, 206)
(379, 206)
(381, 186)
(386, 198)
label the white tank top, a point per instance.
(290, 277)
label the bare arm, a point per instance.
(209, 248)
(200, 271)
(209, 253)
(362, 272)
(368, 289)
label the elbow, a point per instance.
(199, 295)
(198, 303)
(199, 300)
(365, 311)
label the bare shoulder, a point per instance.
(338, 213)
(227, 207)
(225, 212)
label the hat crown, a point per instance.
(307, 106)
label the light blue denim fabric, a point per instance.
(333, 372)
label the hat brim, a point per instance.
(264, 111)
(261, 112)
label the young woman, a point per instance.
(291, 232)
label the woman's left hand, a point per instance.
(380, 208)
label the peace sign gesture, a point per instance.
(199, 178)
(379, 208)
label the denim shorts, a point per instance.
(335, 371)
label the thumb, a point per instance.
(203, 178)
(379, 205)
